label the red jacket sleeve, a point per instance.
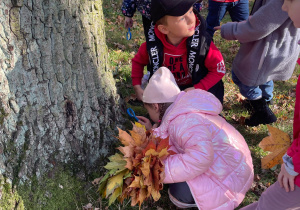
(294, 152)
(140, 60)
(214, 62)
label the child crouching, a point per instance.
(212, 167)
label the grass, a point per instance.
(120, 53)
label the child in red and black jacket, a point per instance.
(177, 39)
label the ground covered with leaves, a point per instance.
(121, 51)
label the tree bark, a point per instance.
(58, 100)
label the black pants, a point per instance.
(217, 90)
(181, 192)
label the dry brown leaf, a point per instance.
(133, 195)
(277, 143)
(240, 98)
(119, 20)
(158, 167)
(88, 206)
(96, 181)
(127, 151)
(124, 137)
(129, 163)
(131, 97)
(142, 195)
(242, 120)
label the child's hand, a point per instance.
(128, 22)
(217, 28)
(145, 121)
(188, 89)
(155, 125)
(139, 92)
(286, 180)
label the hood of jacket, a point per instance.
(194, 101)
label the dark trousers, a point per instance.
(238, 11)
(217, 90)
(181, 192)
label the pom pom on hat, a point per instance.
(162, 87)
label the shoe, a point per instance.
(247, 105)
(179, 203)
(260, 114)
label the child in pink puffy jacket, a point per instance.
(212, 167)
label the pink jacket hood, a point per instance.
(212, 156)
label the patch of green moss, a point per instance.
(63, 191)
(10, 199)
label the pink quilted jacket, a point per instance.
(212, 156)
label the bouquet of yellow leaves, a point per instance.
(138, 172)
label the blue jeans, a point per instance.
(238, 11)
(254, 92)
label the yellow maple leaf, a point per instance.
(115, 195)
(151, 152)
(136, 182)
(115, 182)
(277, 143)
(155, 194)
(146, 166)
(138, 139)
(163, 153)
(142, 196)
(139, 125)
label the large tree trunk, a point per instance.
(58, 100)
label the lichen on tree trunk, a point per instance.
(58, 100)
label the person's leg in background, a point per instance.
(267, 91)
(260, 111)
(216, 12)
(239, 10)
(275, 198)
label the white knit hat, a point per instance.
(162, 87)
